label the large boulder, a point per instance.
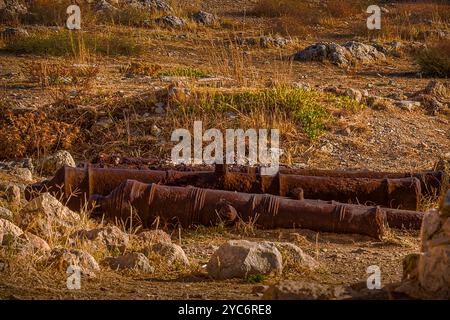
(325, 51)
(132, 260)
(47, 217)
(340, 55)
(13, 237)
(434, 270)
(61, 258)
(111, 237)
(427, 275)
(171, 21)
(363, 52)
(50, 164)
(242, 258)
(153, 6)
(8, 232)
(171, 252)
(204, 18)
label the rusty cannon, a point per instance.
(76, 185)
(430, 181)
(188, 206)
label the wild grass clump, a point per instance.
(410, 21)
(294, 17)
(435, 60)
(75, 44)
(310, 110)
(53, 73)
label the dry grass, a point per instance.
(294, 17)
(54, 73)
(435, 60)
(410, 21)
(75, 44)
(33, 133)
(141, 68)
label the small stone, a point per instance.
(159, 108)
(297, 290)
(112, 237)
(408, 105)
(171, 21)
(171, 252)
(52, 163)
(327, 148)
(153, 236)
(62, 259)
(156, 131)
(6, 214)
(105, 7)
(23, 174)
(13, 194)
(35, 242)
(46, 216)
(132, 260)
(354, 94)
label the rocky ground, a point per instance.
(360, 101)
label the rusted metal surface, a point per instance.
(401, 193)
(430, 180)
(392, 193)
(397, 218)
(77, 184)
(190, 205)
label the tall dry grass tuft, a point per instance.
(294, 17)
(411, 21)
(231, 60)
(79, 45)
(435, 59)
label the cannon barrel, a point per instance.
(77, 184)
(190, 205)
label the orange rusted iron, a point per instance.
(78, 184)
(430, 180)
(188, 206)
